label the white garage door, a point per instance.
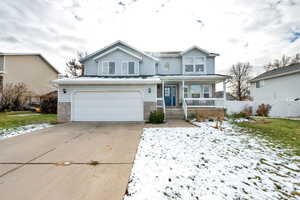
(107, 106)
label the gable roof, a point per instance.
(31, 54)
(115, 49)
(115, 43)
(282, 71)
(200, 49)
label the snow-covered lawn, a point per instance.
(7, 133)
(206, 163)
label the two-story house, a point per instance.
(32, 69)
(122, 83)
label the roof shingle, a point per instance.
(278, 72)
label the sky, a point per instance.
(255, 31)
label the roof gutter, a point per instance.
(107, 81)
(274, 76)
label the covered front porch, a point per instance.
(188, 92)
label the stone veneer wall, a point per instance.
(64, 111)
(148, 107)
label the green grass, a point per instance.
(13, 119)
(280, 131)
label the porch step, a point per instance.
(174, 113)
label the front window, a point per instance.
(206, 93)
(197, 91)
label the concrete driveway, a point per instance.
(32, 172)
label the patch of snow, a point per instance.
(11, 132)
(210, 164)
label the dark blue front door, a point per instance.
(170, 95)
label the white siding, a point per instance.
(277, 89)
(144, 89)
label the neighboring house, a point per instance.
(122, 83)
(31, 69)
(282, 84)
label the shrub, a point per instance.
(13, 97)
(191, 116)
(238, 115)
(49, 105)
(156, 117)
(248, 110)
(263, 110)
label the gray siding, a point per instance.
(210, 61)
(175, 66)
(147, 65)
(118, 57)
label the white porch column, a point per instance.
(224, 90)
(182, 92)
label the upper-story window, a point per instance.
(119, 68)
(109, 67)
(194, 64)
(130, 68)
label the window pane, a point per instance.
(112, 68)
(257, 84)
(131, 68)
(206, 91)
(196, 91)
(189, 68)
(199, 68)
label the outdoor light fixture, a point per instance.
(149, 90)
(64, 90)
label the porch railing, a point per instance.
(205, 102)
(185, 109)
(160, 103)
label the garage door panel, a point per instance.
(107, 106)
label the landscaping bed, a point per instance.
(207, 163)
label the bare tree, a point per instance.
(239, 82)
(74, 67)
(283, 62)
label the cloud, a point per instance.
(240, 30)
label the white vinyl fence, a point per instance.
(278, 108)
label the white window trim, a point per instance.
(136, 64)
(108, 74)
(100, 68)
(194, 65)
